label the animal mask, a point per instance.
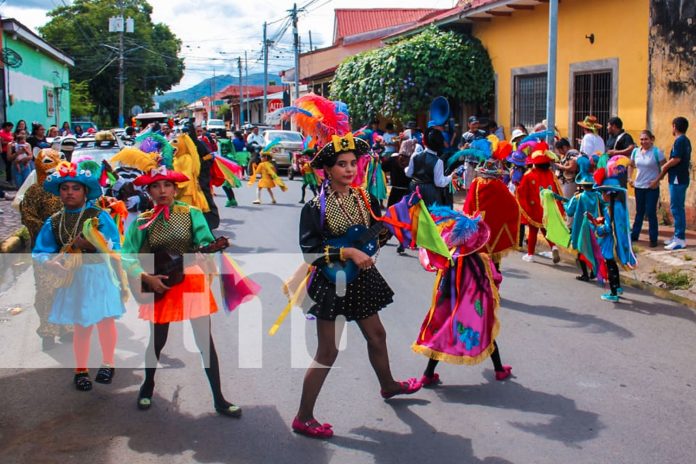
(46, 162)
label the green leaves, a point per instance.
(152, 60)
(400, 80)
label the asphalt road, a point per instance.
(594, 382)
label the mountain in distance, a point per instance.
(205, 87)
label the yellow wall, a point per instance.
(621, 31)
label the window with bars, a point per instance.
(530, 99)
(592, 95)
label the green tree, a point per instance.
(400, 80)
(223, 112)
(80, 102)
(152, 64)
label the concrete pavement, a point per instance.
(594, 382)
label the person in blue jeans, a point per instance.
(677, 172)
(647, 160)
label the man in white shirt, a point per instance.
(591, 142)
(254, 137)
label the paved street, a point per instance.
(594, 382)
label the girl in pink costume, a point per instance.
(461, 325)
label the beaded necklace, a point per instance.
(62, 227)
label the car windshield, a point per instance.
(215, 122)
(97, 151)
(284, 136)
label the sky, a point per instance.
(215, 32)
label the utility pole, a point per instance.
(310, 41)
(121, 25)
(246, 79)
(296, 44)
(212, 96)
(241, 93)
(265, 71)
(551, 72)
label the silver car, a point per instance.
(290, 142)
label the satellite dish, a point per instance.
(11, 58)
(136, 110)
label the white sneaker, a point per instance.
(677, 244)
(668, 241)
(528, 258)
(556, 255)
(546, 254)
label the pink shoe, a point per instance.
(408, 387)
(430, 382)
(312, 429)
(504, 374)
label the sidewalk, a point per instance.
(10, 223)
(666, 274)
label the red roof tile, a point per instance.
(350, 22)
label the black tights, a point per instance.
(495, 357)
(613, 274)
(204, 341)
(229, 192)
(304, 189)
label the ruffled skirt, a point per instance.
(189, 299)
(363, 297)
(91, 297)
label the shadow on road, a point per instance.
(424, 444)
(568, 424)
(563, 314)
(666, 308)
(71, 426)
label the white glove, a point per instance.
(132, 202)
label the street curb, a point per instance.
(14, 242)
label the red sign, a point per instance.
(274, 105)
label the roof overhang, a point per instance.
(476, 11)
(19, 31)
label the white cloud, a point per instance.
(223, 30)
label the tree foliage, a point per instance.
(80, 102)
(152, 64)
(400, 80)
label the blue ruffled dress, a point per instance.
(94, 293)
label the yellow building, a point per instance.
(626, 58)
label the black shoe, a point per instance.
(105, 375)
(145, 397)
(82, 382)
(229, 410)
(653, 244)
(48, 343)
(400, 250)
(583, 278)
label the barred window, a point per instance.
(592, 95)
(530, 99)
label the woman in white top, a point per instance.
(591, 142)
(647, 160)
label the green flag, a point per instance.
(556, 228)
(427, 234)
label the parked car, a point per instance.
(216, 126)
(290, 142)
(97, 150)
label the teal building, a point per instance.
(35, 77)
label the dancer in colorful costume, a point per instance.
(91, 290)
(338, 208)
(585, 201)
(527, 193)
(462, 324)
(176, 228)
(309, 176)
(188, 162)
(269, 177)
(614, 229)
(36, 207)
(491, 198)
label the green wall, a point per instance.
(26, 86)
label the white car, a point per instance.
(290, 142)
(216, 126)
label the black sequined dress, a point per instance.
(369, 292)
